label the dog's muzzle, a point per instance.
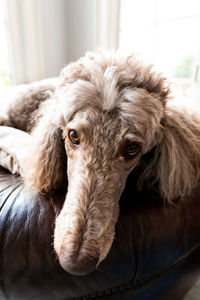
(85, 228)
(79, 264)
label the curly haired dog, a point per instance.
(103, 116)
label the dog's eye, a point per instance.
(133, 149)
(73, 136)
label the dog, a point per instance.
(94, 126)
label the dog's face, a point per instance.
(106, 131)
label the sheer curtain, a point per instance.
(6, 70)
(48, 34)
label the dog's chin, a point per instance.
(87, 259)
(78, 266)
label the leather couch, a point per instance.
(155, 254)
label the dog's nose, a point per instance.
(79, 266)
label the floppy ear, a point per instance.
(45, 167)
(174, 166)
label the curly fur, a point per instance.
(110, 100)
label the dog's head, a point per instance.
(110, 110)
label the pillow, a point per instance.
(13, 149)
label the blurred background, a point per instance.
(39, 37)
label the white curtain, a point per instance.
(48, 34)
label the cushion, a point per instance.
(13, 149)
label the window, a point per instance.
(165, 33)
(6, 75)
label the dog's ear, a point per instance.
(174, 166)
(45, 167)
